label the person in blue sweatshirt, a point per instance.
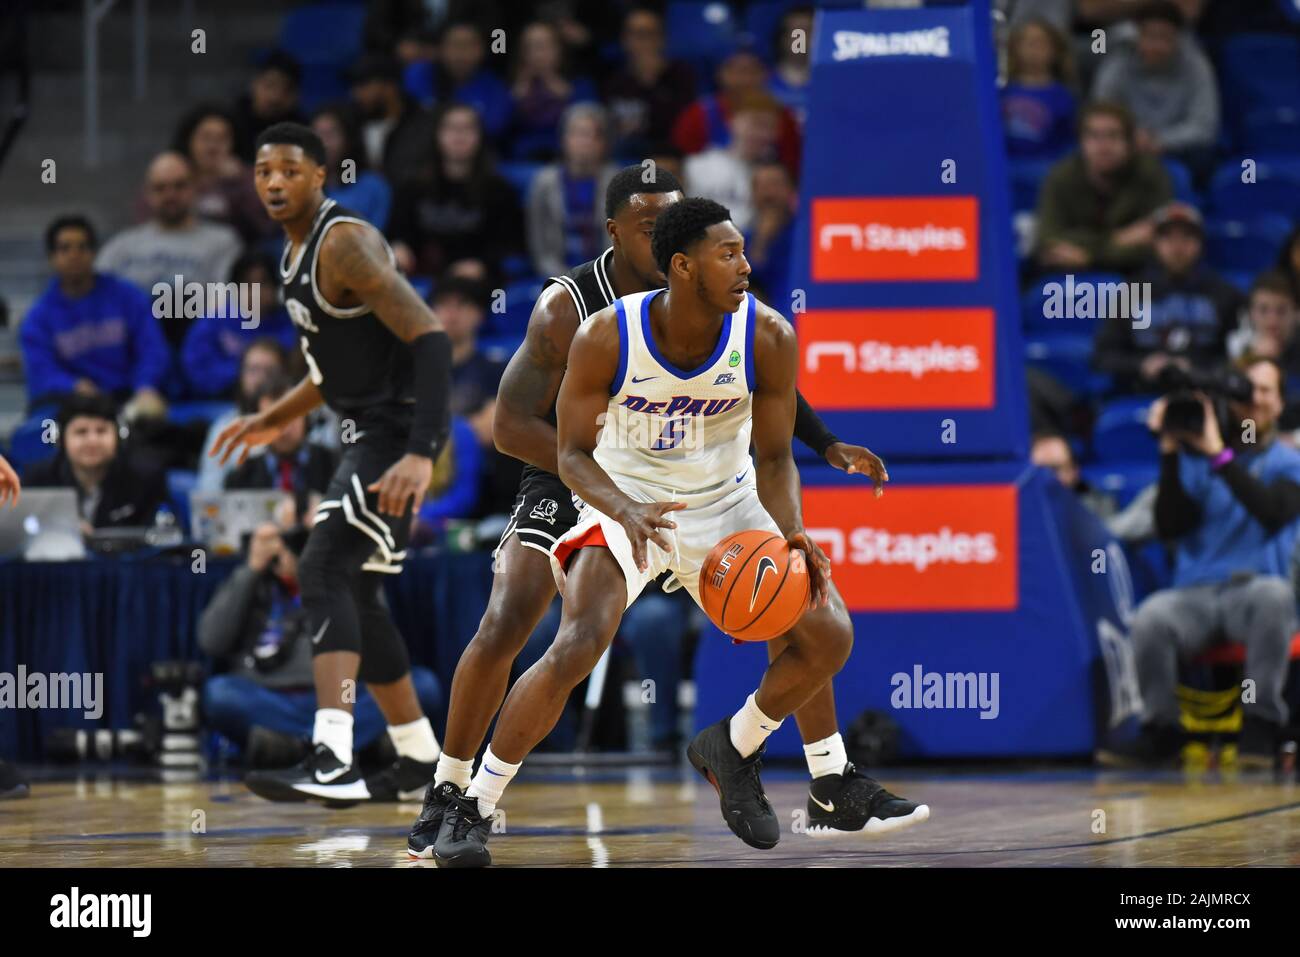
(90, 332)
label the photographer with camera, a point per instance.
(1227, 500)
(265, 700)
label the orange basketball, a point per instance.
(750, 587)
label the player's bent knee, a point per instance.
(576, 650)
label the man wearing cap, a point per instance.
(1192, 310)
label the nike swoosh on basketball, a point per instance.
(765, 565)
(315, 639)
(828, 808)
(636, 381)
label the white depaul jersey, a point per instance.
(685, 431)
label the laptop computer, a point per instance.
(44, 526)
(221, 519)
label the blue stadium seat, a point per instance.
(180, 482)
(423, 285)
(25, 445)
(1180, 177)
(1067, 357)
(701, 32)
(1276, 191)
(761, 22)
(1120, 433)
(1245, 246)
(1272, 130)
(1241, 278)
(520, 297)
(519, 174)
(321, 83)
(1259, 70)
(1026, 179)
(518, 268)
(324, 33)
(1122, 479)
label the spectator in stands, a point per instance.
(461, 75)
(458, 210)
(1229, 507)
(397, 134)
(1095, 206)
(215, 346)
(541, 91)
(175, 242)
(262, 360)
(223, 184)
(769, 242)
(1193, 310)
(1288, 260)
(272, 97)
(357, 187)
(288, 462)
(792, 52)
(741, 77)
(1271, 315)
(457, 479)
(1051, 450)
(725, 173)
(254, 626)
(89, 332)
(649, 90)
(1168, 84)
(111, 491)
(1038, 103)
(566, 210)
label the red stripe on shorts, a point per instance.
(592, 536)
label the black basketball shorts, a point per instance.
(544, 510)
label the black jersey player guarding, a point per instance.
(523, 588)
(377, 356)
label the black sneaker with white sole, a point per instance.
(320, 776)
(462, 839)
(851, 801)
(406, 779)
(424, 832)
(745, 807)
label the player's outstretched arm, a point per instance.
(355, 256)
(580, 411)
(776, 360)
(853, 459)
(249, 431)
(531, 382)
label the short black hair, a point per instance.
(277, 61)
(191, 120)
(682, 225)
(293, 134)
(73, 221)
(95, 406)
(630, 180)
(459, 287)
(1165, 10)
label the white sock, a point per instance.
(490, 782)
(334, 730)
(454, 770)
(415, 740)
(750, 728)
(826, 756)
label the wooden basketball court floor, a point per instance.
(669, 818)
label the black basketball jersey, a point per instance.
(590, 287)
(356, 361)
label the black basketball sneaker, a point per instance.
(403, 780)
(745, 807)
(851, 801)
(319, 776)
(462, 839)
(424, 832)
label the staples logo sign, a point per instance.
(907, 238)
(927, 548)
(897, 358)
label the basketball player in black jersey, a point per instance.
(378, 357)
(841, 797)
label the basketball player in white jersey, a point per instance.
(681, 381)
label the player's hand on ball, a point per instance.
(819, 567)
(859, 460)
(408, 476)
(248, 431)
(9, 484)
(642, 521)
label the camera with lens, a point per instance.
(1184, 412)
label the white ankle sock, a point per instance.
(490, 782)
(334, 730)
(455, 770)
(826, 756)
(750, 728)
(415, 740)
